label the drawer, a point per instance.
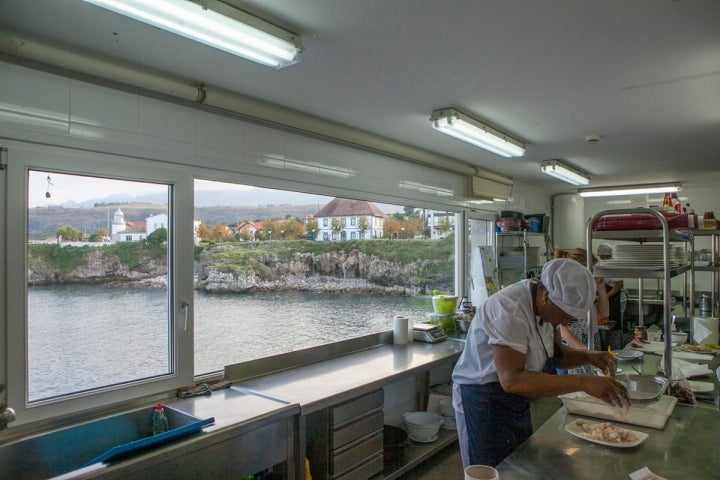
(354, 453)
(368, 469)
(356, 429)
(356, 407)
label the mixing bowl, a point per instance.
(423, 427)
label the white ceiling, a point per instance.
(642, 74)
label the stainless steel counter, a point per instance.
(686, 448)
(324, 383)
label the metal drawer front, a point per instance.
(364, 471)
(356, 429)
(355, 452)
(344, 412)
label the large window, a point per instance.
(129, 278)
(278, 293)
(97, 302)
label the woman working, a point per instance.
(511, 353)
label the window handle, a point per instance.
(185, 308)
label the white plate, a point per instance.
(650, 347)
(700, 387)
(628, 355)
(576, 430)
(688, 348)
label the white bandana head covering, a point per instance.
(604, 250)
(570, 286)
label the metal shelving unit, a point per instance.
(713, 268)
(665, 235)
(515, 260)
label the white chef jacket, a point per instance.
(506, 318)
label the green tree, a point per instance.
(158, 237)
(363, 226)
(312, 228)
(69, 234)
(337, 226)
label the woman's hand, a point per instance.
(605, 361)
(607, 390)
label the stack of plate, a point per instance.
(648, 257)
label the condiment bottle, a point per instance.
(159, 420)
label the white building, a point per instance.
(124, 231)
(440, 224)
(344, 219)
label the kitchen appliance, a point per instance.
(425, 332)
(705, 305)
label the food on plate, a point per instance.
(683, 392)
(606, 432)
(697, 348)
(634, 344)
(714, 346)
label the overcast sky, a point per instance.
(76, 189)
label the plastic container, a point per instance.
(159, 420)
(653, 415)
(444, 304)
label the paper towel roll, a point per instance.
(705, 330)
(400, 330)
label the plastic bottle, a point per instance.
(159, 420)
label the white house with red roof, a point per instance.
(344, 219)
(248, 230)
(129, 231)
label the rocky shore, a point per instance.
(227, 269)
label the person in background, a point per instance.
(575, 334)
(617, 299)
(512, 351)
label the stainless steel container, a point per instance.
(705, 305)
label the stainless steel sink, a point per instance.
(104, 440)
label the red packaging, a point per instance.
(640, 221)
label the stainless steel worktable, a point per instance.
(687, 448)
(324, 383)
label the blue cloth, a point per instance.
(497, 422)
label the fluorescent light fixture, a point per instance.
(630, 190)
(559, 170)
(463, 127)
(215, 24)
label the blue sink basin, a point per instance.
(104, 440)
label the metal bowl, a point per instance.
(644, 388)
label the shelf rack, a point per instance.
(664, 235)
(505, 241)
(713, 268)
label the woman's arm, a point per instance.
(602, 304)
(617, 286)
(510, 365)
(570, 338)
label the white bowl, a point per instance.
(446, 408)
(679, 337)
(423, 426)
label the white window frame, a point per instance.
(24, 157)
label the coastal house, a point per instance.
(344, 219)
(248, 230)
(440, 224)
(129, 231)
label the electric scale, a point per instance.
(426, 332)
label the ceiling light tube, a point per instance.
(630, 190)
(463, 127)
(215, 24)
(557, 169)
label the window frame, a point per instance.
(25, 157)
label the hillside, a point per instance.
(43, 222)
